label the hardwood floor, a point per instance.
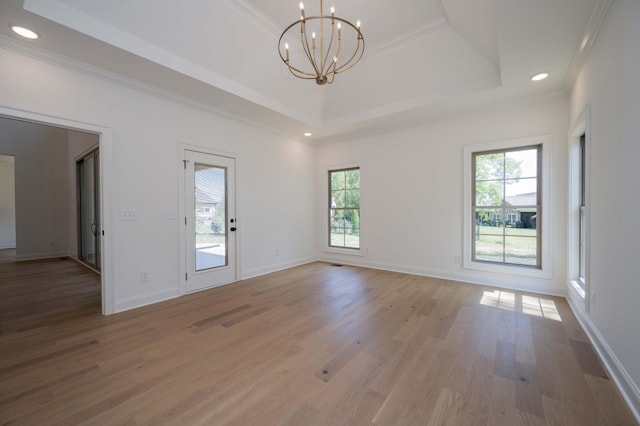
(312, 345)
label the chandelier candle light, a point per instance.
(322, 64)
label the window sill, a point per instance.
(349, 252)
(578, 288)
(522, 271)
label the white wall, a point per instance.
(7, 202)
(275, 174)
(412, 191)
(609, 83)
(40, 187)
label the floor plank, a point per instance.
(311, 345)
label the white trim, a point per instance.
(581, 126)
(147, 299)
(345, 251)
(106, 147)
(252, 273)
(546, 260)
(42, 256)
(529, 285)
(589, 35)
(614, 367)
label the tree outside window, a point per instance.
(344, 208)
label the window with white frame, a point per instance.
(344, 208)
(578, 212)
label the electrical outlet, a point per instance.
(277, 252)
(144, 276)
(170, 214)
(456, 260)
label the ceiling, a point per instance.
(423, 58)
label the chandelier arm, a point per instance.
(295, 71)
(325, 72)
(337, 55)
(304, 40)
(321, 38)
(301, 74)
(333, 74)
(348, 65)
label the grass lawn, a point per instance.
(518, 245)
(345, 240)
(204, 235)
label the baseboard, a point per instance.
(616, 370)
(469, 278)
(41, 256)
(252, 273)
(7, 246)
(146, 299)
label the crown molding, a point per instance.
(409, 37)
(255, 15)
(46, 56)
(589, 35)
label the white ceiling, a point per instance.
(423, 58)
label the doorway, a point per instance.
(88, 201)
(104, 164)
(210, 222)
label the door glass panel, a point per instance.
(87, 211)
(210, 212)
(96, 197)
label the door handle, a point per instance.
(232, 228)
(94, 229)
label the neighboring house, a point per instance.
(205, 205)
(522, 210)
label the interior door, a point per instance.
(210, 220)
(89, 209)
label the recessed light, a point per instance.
(539, 76)
(307, 134)
(24, 32)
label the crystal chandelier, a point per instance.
(322, 54)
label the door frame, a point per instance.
(105, 144)
(182, 148)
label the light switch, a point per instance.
(128, 214)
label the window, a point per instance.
(582, 223)
(578, 237)
(506, 184)
(344, 208)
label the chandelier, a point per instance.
(323, 55)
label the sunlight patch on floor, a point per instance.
(529, 305)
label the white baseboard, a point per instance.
(615, 369)
(462, 276)
(251, 273)
(7, 246)
(41, 256)
(146, 299)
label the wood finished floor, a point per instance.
(312, 345)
